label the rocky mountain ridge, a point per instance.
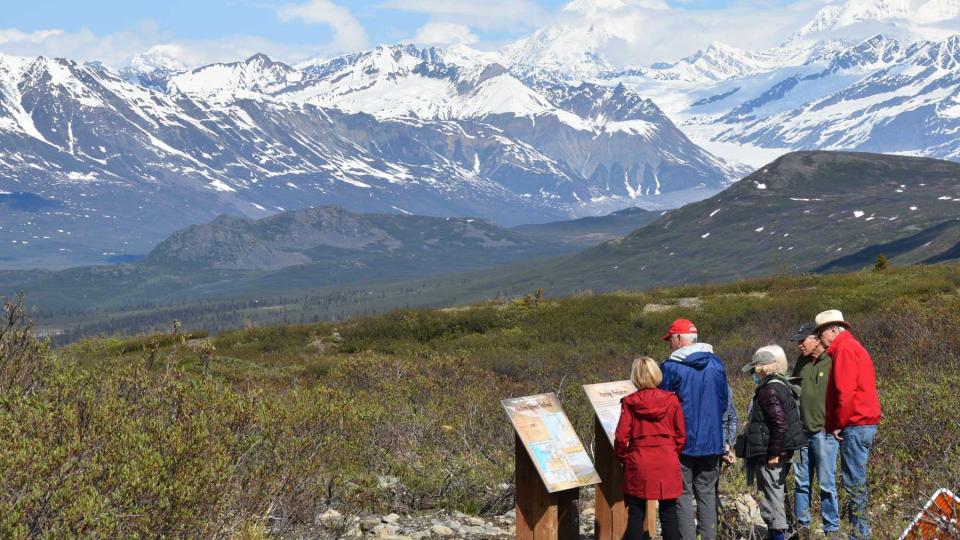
(310, 249)
(806, 211)
(865, 75)
(127, 164)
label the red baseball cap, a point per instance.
(680, 326)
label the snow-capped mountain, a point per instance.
(153, 67)
(873, 75)
(904, 19)
(622, 144)
(718, 62)
(227, 83)
(547, 127)
(99, 165)
(909, 102)
(834, 16)
(879, 95)
(573, 47)
(573, 50)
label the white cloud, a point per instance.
(635, 32)
(348, 33)
(509, 15)
(12, 35)
(193, 53)
(121, 48)
(444, 33)
(81, 45)
(592, 7)
(638, 32)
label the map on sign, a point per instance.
(940, 518)
(551, 442)
(605, 398)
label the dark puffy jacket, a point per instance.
(698, 378)
(775, 428)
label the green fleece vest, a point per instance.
(814, 375)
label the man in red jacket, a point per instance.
(852, 411)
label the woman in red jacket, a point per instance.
(648, 441)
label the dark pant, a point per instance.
(637, 515)
(700, 478)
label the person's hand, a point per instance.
(837, 434)
(728, 455)
(772, 462)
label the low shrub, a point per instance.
(142, 437)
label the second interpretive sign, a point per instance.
(605, 398)
(553, 445)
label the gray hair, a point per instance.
(839, 327)
(692, 338)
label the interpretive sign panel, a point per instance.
(605, 398)
(550, 441)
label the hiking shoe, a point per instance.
(801, 533)
(834, 535)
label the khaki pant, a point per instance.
(771, 483)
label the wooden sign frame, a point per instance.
(610, 517)
(551, 442)
(542, 515)
(551, 465)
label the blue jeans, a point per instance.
(818, 458)
(854, 453)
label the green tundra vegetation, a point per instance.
(254, 432)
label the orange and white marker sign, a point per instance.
(939, 519)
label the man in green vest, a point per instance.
(819, 457)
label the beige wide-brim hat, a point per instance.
(827, 318)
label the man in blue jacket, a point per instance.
(698, 378)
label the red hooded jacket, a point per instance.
(852, 391)
(648, 441)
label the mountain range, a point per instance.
(114, 166)
(100, 165)
(805, 212)
(866, 75)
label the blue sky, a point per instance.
(204, 19)
(210, 19)
(213, 30)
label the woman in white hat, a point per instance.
(774, 431)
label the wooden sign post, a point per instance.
(551, 467)
(542, 515)
(611, 510)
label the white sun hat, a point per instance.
(829, 317)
